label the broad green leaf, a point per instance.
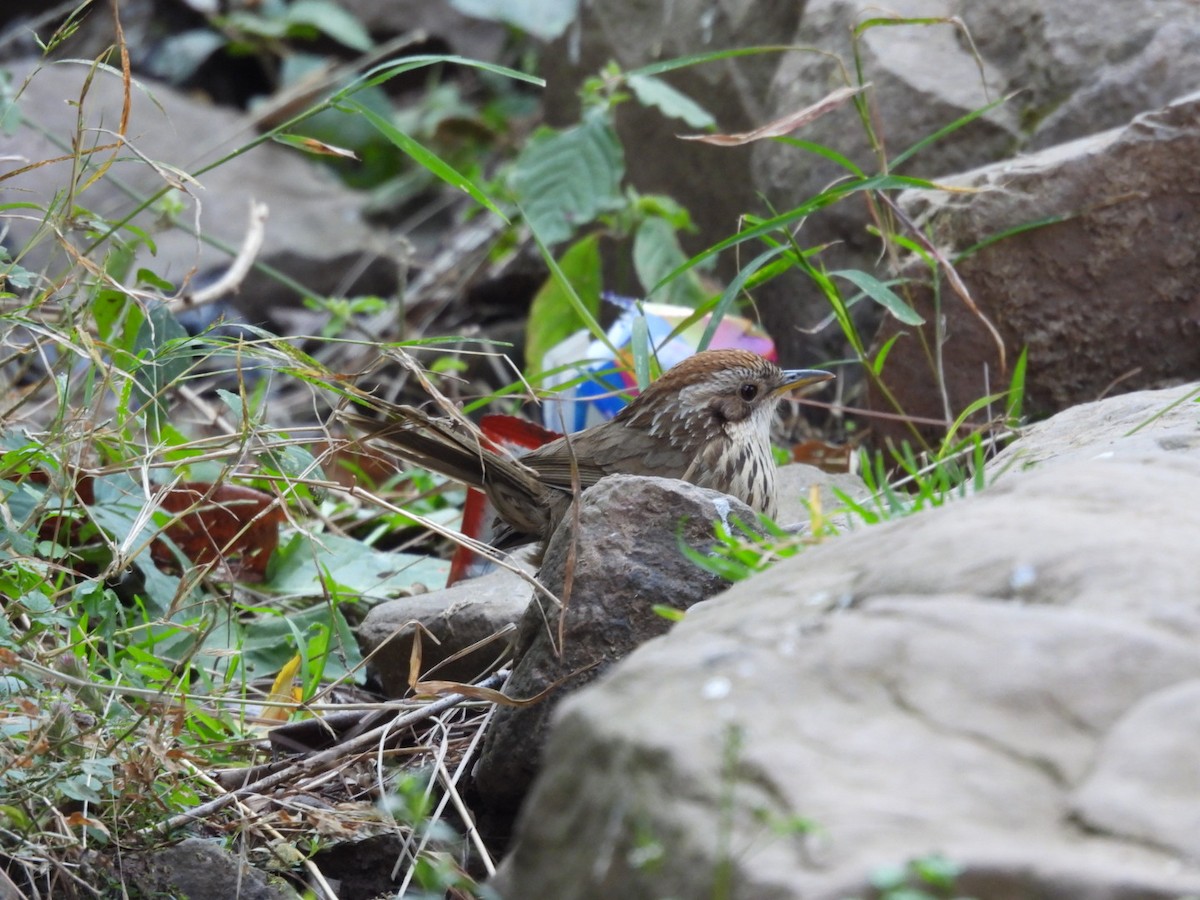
(14, 276)
(234, 402)
(655, 92)
(581, 309)
(330, 19)
(656, 253)
(160, 364)
(148, 277)
(118, 511)
(552, 316)
(304, 19)
(881, 294)
(293, 461)
(111, 309)
(35, 603)
(271, 640)
(565, 179)
(248, 23)
(543, 19)
(79, 787)
(306, 566)
(22, 503)
(150, 666)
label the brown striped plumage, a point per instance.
(707, 421)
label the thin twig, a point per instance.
(451, 787)
(951, 275)
(231, 280)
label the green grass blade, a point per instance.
(951, 442)
(1016, 389)
(825, 152)
(577, 303)
(1009, 232)
(639, 343)
(731, 292)
(424, 157)
(697, 59)
(775, 223)
(881, 294)
(388, 70)
(900, 158)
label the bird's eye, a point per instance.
(748, 391)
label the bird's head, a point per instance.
(717, 392)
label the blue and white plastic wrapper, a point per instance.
(600, 397)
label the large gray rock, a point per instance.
(1133, 787)
(1006, 680)
(1077, 293)
(624, 560)
(1078, 68)
(1083, 68)
(1147, 422)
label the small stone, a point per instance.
(456, 618)
(625, 560)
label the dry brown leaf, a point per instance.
(441, 688)
(783, 125)
(320, 148)
(474, 692)
(227, 522)
(824, 455)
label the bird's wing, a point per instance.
(627, 451)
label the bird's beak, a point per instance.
(798, 378)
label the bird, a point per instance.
(707, 421)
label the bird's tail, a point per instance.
(457, 449)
